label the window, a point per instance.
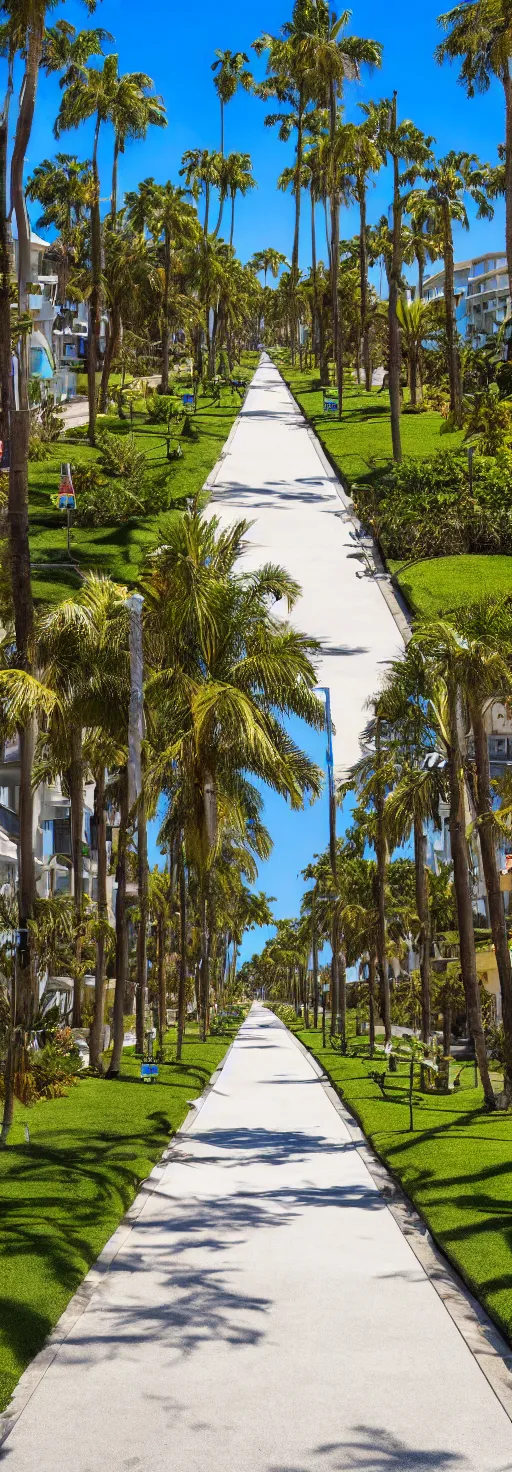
(62, 836)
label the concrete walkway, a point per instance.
(275, 474)
(265, 1313)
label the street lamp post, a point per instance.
(325, 691)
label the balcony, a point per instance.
(9, 822)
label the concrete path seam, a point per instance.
(483, 1339)
(37, 1368)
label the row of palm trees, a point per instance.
(425, 751)
(308, 66)
(221, 672)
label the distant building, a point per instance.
(481, 291)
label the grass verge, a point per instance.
(456, 1165)
(359, 445)
(118, 550)
(65, 1191)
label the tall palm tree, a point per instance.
(268, 260)
(130, 270)
(237, 179)
(201, 169)
(413, 319)
(446, 654)
(332, 57)
(479, 34)
(407, 148)
(232, 72)
(166, 212)
(134, 109)
(226, 669)
(91, 92)
(63, 187)
(449, 180)
(367, 160)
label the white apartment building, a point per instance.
(58, 342)
(482, 294)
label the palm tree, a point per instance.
(446, 654)
(238, 179)
(202, 173)
(134, 109)
(367, 160)
(404, 144)
(130, 270)
(226, 669)
(479, 34)
(91, 92)
(231, 68)
(413, 319)
(288, 82)
(331, 57)
(268, 260)
(449, 179)
(171, 220)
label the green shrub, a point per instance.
(160, 408)
(103, 500)
(119, 456)
(285, 1013)
(38, 449)
(424, 508)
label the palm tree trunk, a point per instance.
(94, 301)
(394, 293)
(162, 990)
(342, 986)
(381, 851)
(142, 957)
(371, 999)
(164, 386)
(422, 906)
(111, 348)
(206, 209)
(297, 190)
(182, 983)
(462, 886)
(99, 978)
(449, 315)
(232, 230)
(335, 976)
(205, 968)
(113, 199)
(492, 883)
(413, 376)
(507, 83)
(315, 972)
(5, 274)
(76, 795)
(363, 285)
(121, 932)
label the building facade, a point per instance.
(481, 291)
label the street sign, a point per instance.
(331, 404)
(188, 401)
(326, 986)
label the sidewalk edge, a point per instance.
(36, 1369)
(486, 1344)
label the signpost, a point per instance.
(331, 403)
(66, 499)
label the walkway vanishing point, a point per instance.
(273, 471)
(264, 1312)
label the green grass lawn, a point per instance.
(64, 1192)
(360, 443)
(118, 550)
(441, 584)
(456, 1165)
(360, 447)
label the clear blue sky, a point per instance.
(176, 48)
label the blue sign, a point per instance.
(67, 502)
(331, 404)
(188, 400)
(149, 1071)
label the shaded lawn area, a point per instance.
(440, 584)
(456, 1165)
(118, 550)
(360, 443)
(360, 447)
(64, 1193)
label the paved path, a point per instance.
(275, 474)
(265, 1313)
